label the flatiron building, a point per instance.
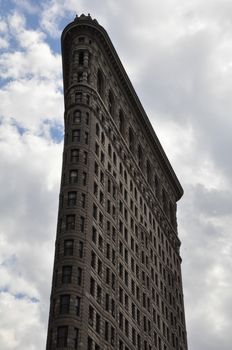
(117, 270)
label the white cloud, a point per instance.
(22, 328)
(28, 218)
(178, 55)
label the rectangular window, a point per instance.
(76, 337)
(72, 199)
(64, 304)
(92, 286)
(66, 274)
(76, 135)
(77, 117)
(83, 200)
(91, 315)
(84, 178)
(82, 223)
(90, 343)
(86, 138)
(81, 249)
(79, 276)
(62, 336)
(70, 222)
(98, 323)
(68, 247)
(75, 153)
(106, 331)
(94, 234)
(73, 176)
(78, 305)
(112, 336)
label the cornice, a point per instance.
(86, 22)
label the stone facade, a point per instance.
(117, 270)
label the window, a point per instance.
(79, 276)
(83, 200)
(86, 138)
(94, 235)
(98, 323)
(121, 123)
(73, 176)
(76, 337)
(78, 305)
(80, 77)
(140, 157)
(78, 97)
(107, 302)
(100, 83)
(82, 223)
(111, 103)
(92, 286)
(85, 157)
(109, 150)
(131, 140)
(72, 199)
(76, 135)
(74, 155)
(70, 222)
(81, 249)
(87, 118)
(99, 294)
(106, 331)
(97, 130)
(62, 336)
(103, 138)
(93, 260)
(91, 315)
(81, 58)
(66, 274)
(164, 200)
(149, 175)
(68, 247)
(121, 321)
(90, 343)
(112, 336)
(157, 187)
(126, 327)
(84, 178)
(64, 304)
(77, 117)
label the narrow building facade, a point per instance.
(117, 270)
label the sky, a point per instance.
(178, 55)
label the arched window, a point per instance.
(140, 157)
(111, 103)
(131, 140)
(100, 83)
(121, 123)
(149, 177)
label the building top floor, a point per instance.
(111, 82)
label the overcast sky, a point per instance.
(178, 55)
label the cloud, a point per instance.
(25, 314)
(41, 84)
(178, 56)
(31, 192)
